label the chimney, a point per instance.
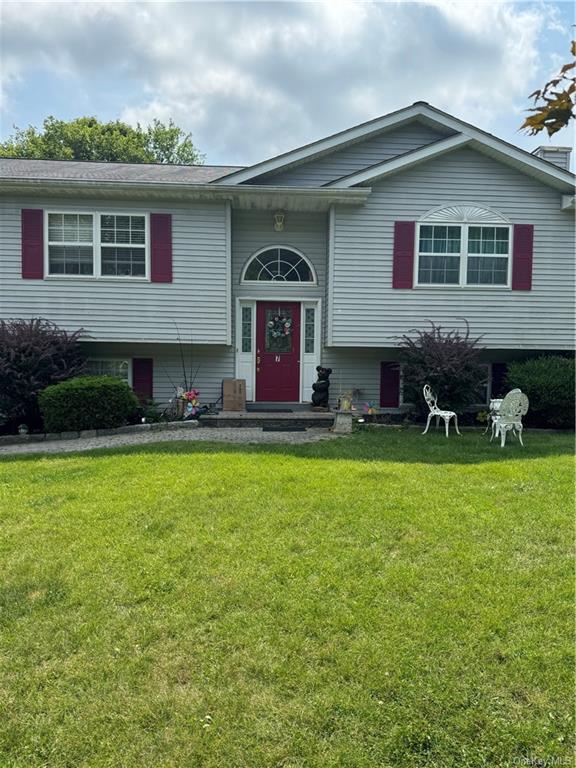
(559, 156)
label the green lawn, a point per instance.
(383, 600)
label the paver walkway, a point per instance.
(206, 435)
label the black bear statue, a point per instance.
(320, 388)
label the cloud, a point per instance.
(251, 79)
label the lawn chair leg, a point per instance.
(502, 437)
(456, 426)
(446, 425)
(427, 423)
(520, 435)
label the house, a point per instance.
(322, 255)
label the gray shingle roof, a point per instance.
(72, 170)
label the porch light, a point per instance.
(279, 221)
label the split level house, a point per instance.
(326, 255)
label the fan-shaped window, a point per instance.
(279, 265)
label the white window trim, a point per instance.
(249, 358)
(463, 256)
(47, 245)
(97, 246)
(283, 283)
(127, 360)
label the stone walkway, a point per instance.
(200, 435)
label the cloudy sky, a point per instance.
(251, 79)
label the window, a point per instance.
(100, 245)
(437, 264)
(279, 265)
(246, 345)
(309, 330)
(464, 254)
(70, 244)
(490, 266)
(118, 368)
(123, 245)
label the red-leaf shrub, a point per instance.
(446, 360)
(33, 354)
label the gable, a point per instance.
(355, 157)
(451, 132)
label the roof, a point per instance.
(75, 170)
(422, 111)
(456, 133)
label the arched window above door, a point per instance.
(278, 264)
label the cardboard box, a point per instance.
(233, 394)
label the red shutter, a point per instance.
(389, 385)
(142, 377)
(522, 257)
(32, 221)
(403, 260)
(161, 247)
(499, 371)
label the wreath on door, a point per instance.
(280, 326)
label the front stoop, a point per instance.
(255, 420)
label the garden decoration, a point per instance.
(345, 401)
(280, 326)
(320, 388)
(369, 409)
(509, 416)
(431, 402)
(191, 404)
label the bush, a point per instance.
(88, 402)
(549, 383)
(33, 354)
(148, 411)
(446, 360)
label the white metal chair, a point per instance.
(509, 416)
(493, 416)
(431, 402)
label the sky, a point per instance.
(252, 79)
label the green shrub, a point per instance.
(549, 383)
(87, 402)
(148, 411)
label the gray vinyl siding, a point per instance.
(123, 309)
(355, 157)
(212, 364)
(356, 370)
(368, 312)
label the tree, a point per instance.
(558, 102)
(33, 354)
(446, 360)
(86, 138)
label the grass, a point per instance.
(383, 600)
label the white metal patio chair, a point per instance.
(431, 402)
(509, 417)
(493, 416)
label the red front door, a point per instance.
(278, 351)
